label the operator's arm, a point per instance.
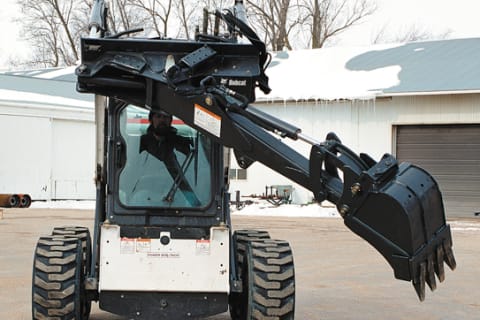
(144, 143)
(183, 144)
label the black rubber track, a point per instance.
(58, 276)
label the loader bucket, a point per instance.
(399, 211)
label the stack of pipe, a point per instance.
(15, 200)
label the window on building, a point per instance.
(237, 174)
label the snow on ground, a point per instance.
(459, 225)
(286, 210)
(66, 204)
(262, 208)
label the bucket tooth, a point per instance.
(439, 269)
(419, 283)
(449, 258)
(431, 273)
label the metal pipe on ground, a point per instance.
(25, 200)
(9, 200)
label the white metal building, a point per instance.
(47, 136)
(419, 101)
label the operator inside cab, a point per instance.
(162, 171)
(160, 141)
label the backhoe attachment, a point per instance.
(398, 209)
(210, 84)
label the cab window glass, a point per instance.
(167, 162)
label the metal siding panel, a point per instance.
(25, 160)
(73, 160)
(451, 153)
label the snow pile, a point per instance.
(322, 74)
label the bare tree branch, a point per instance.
(412, 33)
(156, 13)
(276, 20)
(63, 15)
(187, 13)
(328, 18)
(52, 28)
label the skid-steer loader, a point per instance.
(163, 246)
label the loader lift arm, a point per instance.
(396, 207)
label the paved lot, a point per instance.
(338, 276)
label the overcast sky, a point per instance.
(437, 16)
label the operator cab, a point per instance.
(161, 174)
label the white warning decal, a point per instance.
(202, 247)
(127, 246)
(143, 245)
(207, 120)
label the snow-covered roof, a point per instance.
(52, 87)
(322, 74)
(431, 67)
(58, 74)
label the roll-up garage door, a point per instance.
(451, 153)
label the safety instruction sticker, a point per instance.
(150, 247)
(207, 120)
(143, 245)
(203, 247)
(127, 246)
